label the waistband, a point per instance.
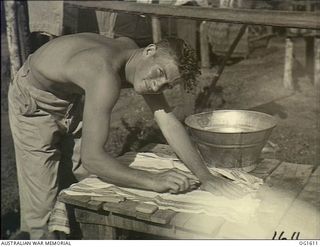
(34, 97)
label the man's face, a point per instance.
(153, 75)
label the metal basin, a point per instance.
(231, 138)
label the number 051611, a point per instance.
(308, 242)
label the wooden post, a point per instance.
(204, 46)
(156, 29)
(309, 6)
(23, 30)
(317, 64)
(13, 37)
(170, 26)
(203, 98)
(232, 47)
(98, 232)
(187, 30)
(310, 55)
(287, 79)
(224, 3)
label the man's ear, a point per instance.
(150, 50)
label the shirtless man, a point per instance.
(46, 112)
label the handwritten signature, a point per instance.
(294, 236)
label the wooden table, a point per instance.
(290, 200)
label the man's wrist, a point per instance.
(204, 176)
(150, 181)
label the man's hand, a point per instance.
(173, 181)
(222, 187)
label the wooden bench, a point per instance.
(294, 184)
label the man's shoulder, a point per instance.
(91, 67)
(130, 43)
(93, 58)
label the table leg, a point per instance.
(98, 232)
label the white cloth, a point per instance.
(46, 16)
(196, 201)
(106, 23)
(53, 17)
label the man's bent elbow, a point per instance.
(95, 162)
(89, 162)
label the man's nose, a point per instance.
(158, 84)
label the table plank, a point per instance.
(180, 219)
(202, 223)
(81, 201)
(290, 176)
(98, 232)
(283, 183)
(265, 168)
(133, 224)
(312, 187)
(127, 207)
(303, 215)
(277, 194)
(163, 216)
(95, 205)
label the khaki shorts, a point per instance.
(47, 135)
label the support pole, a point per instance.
(187, 30)
(203, 98)
(13, 36)
(317, 64)
(204, 46)
(156, 29)
(233, 46)
(23, 30)
(310, 56)
(288, 63)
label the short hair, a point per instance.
(184, 56)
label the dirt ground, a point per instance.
(253, 83)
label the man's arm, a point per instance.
(101, 93)
(176, 135)
(100, 99)
(179, 140)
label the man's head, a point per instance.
(165, 64)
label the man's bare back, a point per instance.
(58, 64)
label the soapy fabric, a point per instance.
(196, 201)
